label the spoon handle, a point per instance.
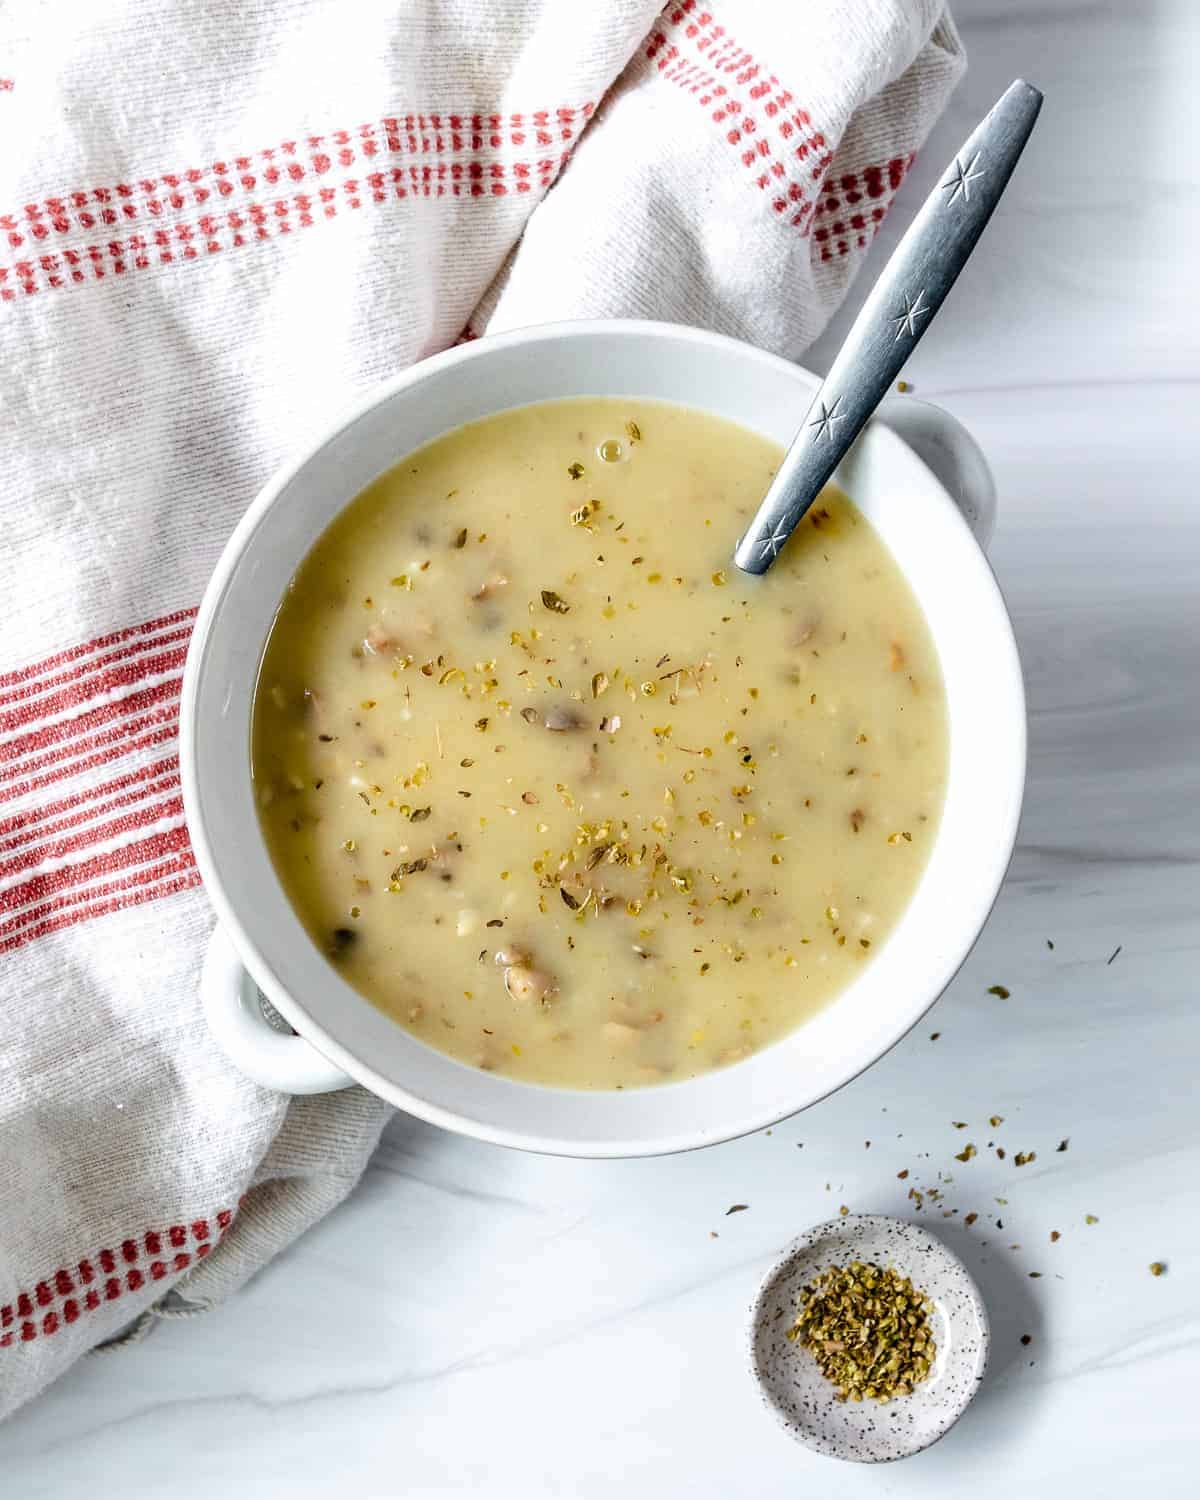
(900, 307)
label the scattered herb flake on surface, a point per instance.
(736, 1208)
(554, 602)
(1113, 955)
(1158, 1267)
(1090, 1219)
(999, 990)
(575, 470)
(1063, 1144)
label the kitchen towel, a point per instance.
(220, 223)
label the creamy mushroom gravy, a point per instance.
(563, 792)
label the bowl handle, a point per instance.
(234, 1009)
(945, 446)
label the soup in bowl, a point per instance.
(531, 812)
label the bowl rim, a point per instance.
(634, 1143)
(833, 1228)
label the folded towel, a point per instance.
(220, 225)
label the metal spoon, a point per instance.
(900, 307)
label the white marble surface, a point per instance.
(476, 1321)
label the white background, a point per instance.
(477, 1321)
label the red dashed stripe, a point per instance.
(775, 139)
(146, 733)
(138, 852)
(74, 654)
(135, 786)
(844, 193)
(81, 671)
(211, 234)
(147, 862)
(254, 223)
(95, 833)
(155, 1256)
(855, 204)
(177, 873)
(108, 680)
(55, 744)
(452, 134)
(447, 155)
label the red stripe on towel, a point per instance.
(80, 1290)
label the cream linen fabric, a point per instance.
(219, 224)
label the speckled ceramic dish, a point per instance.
(800, 1396)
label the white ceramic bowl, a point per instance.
(343, 1037)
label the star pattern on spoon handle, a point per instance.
(769, 546)
(829, 416)
(905, 323)
(960, 179)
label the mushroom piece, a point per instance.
(628, 1018)
(377, 640)
(341, 940)
(533, 986)
(492, 586)
(805, 631)
(559, 719)
(316, 710)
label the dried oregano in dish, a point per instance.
(868, 1329)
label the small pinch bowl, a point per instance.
(801, 1398)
